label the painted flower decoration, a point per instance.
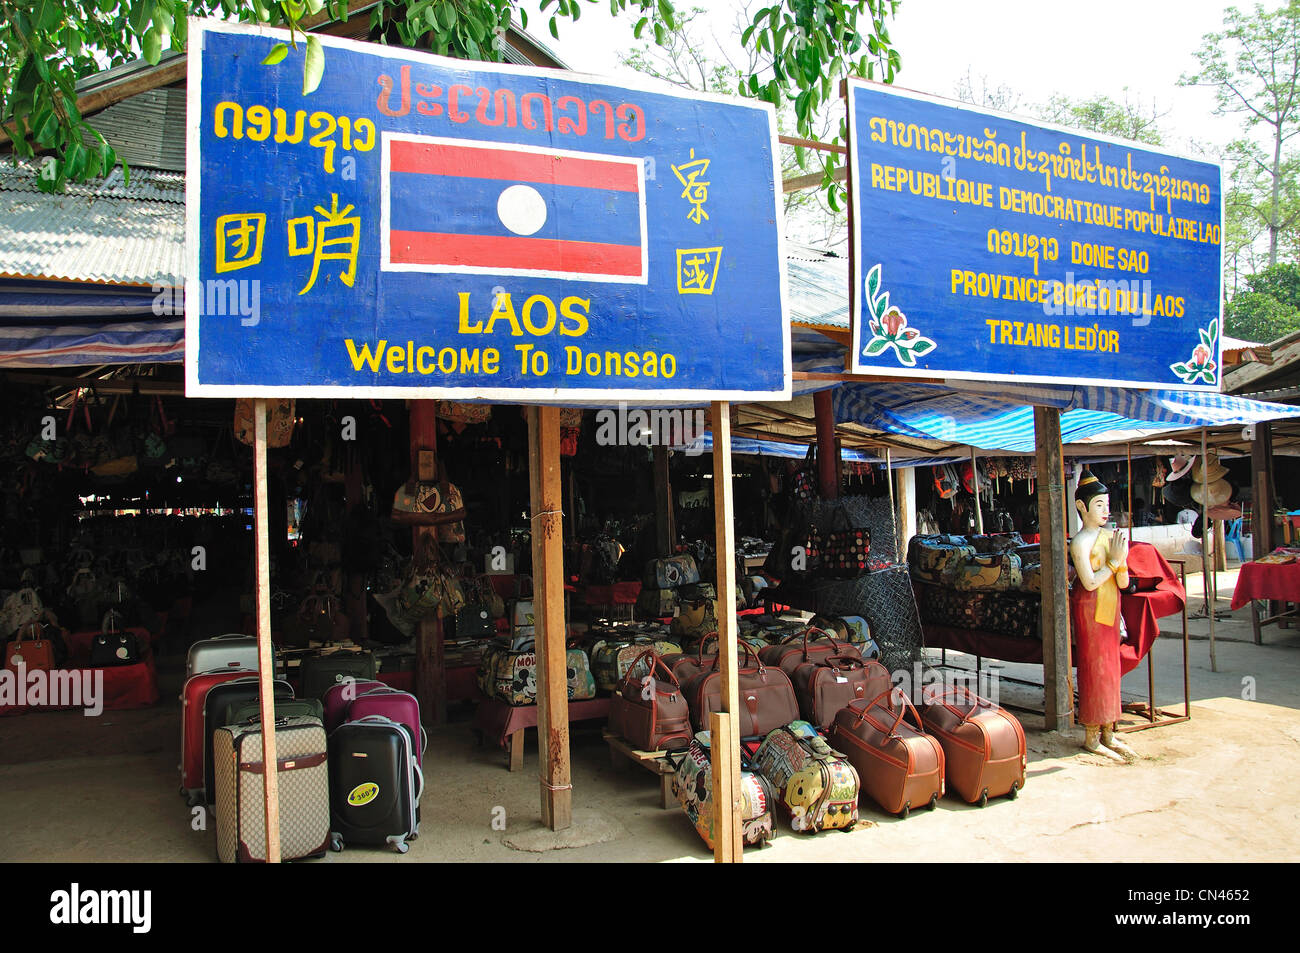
(1201, 366)
(889, 328)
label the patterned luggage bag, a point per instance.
(983, 745)
(216, 703)
(928, 557)
(671, 572)
(512, 675)
(899, 765)
(650, 711)
(694, 620)
(303, 774)
(693, 787)
(193, 697)
(339, 696)
(829, 683)
(656, 603)
(990, 571)
(611, 660)
(318, 672)
(814, 784)
(767, 699)
(806, 645)
(375, 784)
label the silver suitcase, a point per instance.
(304, 785)
(225, 652)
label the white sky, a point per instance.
(1037, 47)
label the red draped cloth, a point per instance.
(1142, 609)
(1265, 581)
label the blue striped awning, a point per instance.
(1001, 416)
(43, 324)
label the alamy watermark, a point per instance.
(219, 297)
(682, 429)
(64, 688)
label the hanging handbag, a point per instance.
(803, 482)
(846, 548)
(280, 421)
(462, 412)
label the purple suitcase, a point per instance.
(401, 707)
(339, 696)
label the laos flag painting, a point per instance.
(483, 208)
(419, 227)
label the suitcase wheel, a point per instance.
(400, 843)
(336, 842)
(934, 801)
(1015, 790)
(907, 809)
(984, 798)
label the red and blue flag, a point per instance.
(494, 208)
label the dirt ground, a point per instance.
(1218, 788)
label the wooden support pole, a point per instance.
(665, 517)
(265, 650)
(1207, 563)
(726, 736)
(975, 482)
(893, 508)
(430, 671)
(1058, 701)
(548, 608)
(1261, 465)
(828, 451)
(1128, 452)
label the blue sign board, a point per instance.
(425, 227)
(990, 248)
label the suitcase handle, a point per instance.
(749, 649)
(968, 694)
(903, 709)
(849, 662)
(656, 663)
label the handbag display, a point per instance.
(767, 699)
(428, 504)
(803, 482)
(829, 683)
(899, 765)
(511, 674)
(114, 648)
(30, 650)
(20, 608)
(806, 645)
(463, 412)
(846, 549)
(474, 621)
(650, 711)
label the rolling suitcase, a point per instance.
(828, 684)
(241, 713)
(223, 653)
(401, 707)
(303, 775)
(193, 745)
(339, 696)
(900, 765)
(215, 705)
(815, 786)
(983, 745)
(375, 784)
(767, 699)
(807, 645)
(318, 672)
(693, 786)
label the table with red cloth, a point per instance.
(506, 723)
(79, 643)
(123, 687)
(1264, 581)
(1142, 609)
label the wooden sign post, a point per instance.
(726, 731)
(1058, 701)
(265, 650)
(548, 611)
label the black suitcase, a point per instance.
(375, 784)
(318, 672)
(219, 700)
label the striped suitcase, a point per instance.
(302, 771)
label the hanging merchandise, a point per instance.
(569, 441)
(280, 421)
(571, 417)
(945, 481)
(846, 548)
(803, 482)
(428, 504)
(462, 412)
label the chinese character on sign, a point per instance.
(341, 245)
(696, 189)
(239, 240)
(697, 270)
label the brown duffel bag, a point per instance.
(692, 663)
(650, 711)
(900, 765)
(827, 684)
(983, 745)
(807, 646)
(767, 699)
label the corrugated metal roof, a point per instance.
(101, 231)
(148, 129)
(818, 288)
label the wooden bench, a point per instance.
(656, 762)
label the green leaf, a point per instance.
(666, 11)
(905, 356)
(882, 305)
(152, 46)
(1179, 369)
(873, 281)
(313, 65)
(922, 345)
(1205, 337)
(555, 29)
(315, 6)
(447, 14)
(141, 14)
(640, 27)
(278, 52)
(46, 15)
(875, 347)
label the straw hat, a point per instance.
(1212, 494)
(1179, 466)
(1211, 467)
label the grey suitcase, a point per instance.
(302, 758)
(233, 651)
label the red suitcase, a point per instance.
(192, 743)
(899, 765)
(828, 683)
(807, 646)
(983, 745)
(340, 695)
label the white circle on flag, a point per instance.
(522, 209)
